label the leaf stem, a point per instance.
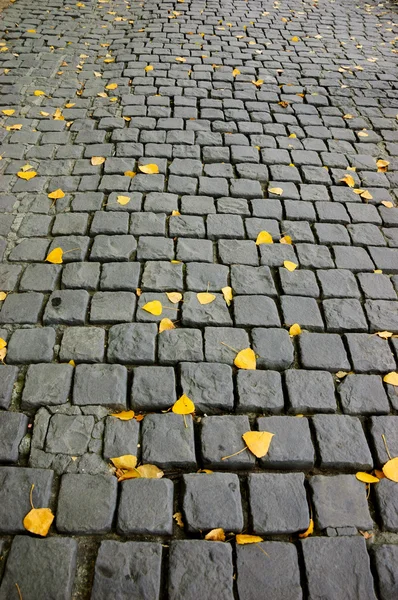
(385, 445)
(230, 347)
(32, 487)
(19, 591)
(234, 454)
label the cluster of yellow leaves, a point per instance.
(26, 173)
(126, 468)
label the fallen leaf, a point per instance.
(181, 59)
(154, 307)
(58, 116)
(148, 68)
(127, 461)
(216, 535)
(366, 195)
(205, 297)
(8, 111)
(258, 83)
(178, 518)
(286, 239)
(149, 169)
(379, 474)
(381, 164)
(227, 293)
(295, 329)
(349, 180)
(102, 94)
(174, 297)
(123, 200)
(125, 415)
(39, 93)
(166, 324)
(289, 265)
(3, 343)
(72, 362)
(384, 335)
(243, 538)
(245, 359)
(111, 86)
(258, 442)
(183, 406)
(3, 296)
(44, 113)
(309, 531)
(175, 213)
(366, 477)
(348, 116)
(70, 104)
(56, 194)
(3, 354)
(295, 39)
(391, 378)
(264, 238)
(362, 134)
(38, 520)
(27, 175)
(16, 127)
(235, 72)
(97, 160)
(130, 173)
(341, 374)
(283, 103)
(277, 191)
(387, 203)
(55, 256)
(366, 534)
(207, 471)
(390, 469)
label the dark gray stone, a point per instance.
(196, 314)
(104, 385)
(69, 434)
(259, 391)
(370, 354)
(386, 560)
(132, 343)
(153, 388)
(387, 502)
(304, 311)
(168, 441)
(8, 376)
(252, 311)
(223, 343)
(83, 344)
(146, 507)
(177, 345)
(310, 391)
(121, 437)
(273, 347)
(363, 395)
(387, 426)
(66, 307)
(323, 351)
(209, 386)
(46, 384)
(31, 346)
(291, 447)
(13, 427)
(222, 436)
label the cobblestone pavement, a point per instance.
(261, 117)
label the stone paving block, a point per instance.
(121, 437)
(259, 391)
(13, 428)
(127, 569)
(340, 501)
(213, 570)
(167, 442)
(245, 250)
(252, 311)
(217, 340)
(41, 567)
(120, 276)
(8, 376)
(146, 507)
(344, 314)
(15, 485)
(273, 347)
(209, 386)
(382, 314)
(369, 353)
(22, 308)
(252, 280)
(210, 502)
(195, 314)
(162, 276)
(323, 351)
(280, 582)
(66, 307)
(83, 344)
(350, 577)
(341, 443)
(221, 436)
(69, 434)
(46, 384)
(153, 388)
(31, 346)
(291, 447)
(385, 558)
(132, 343)
(305, 311)
(387, 426)
(299, 283)
(81, 275)
(39, 278)
(363, 395)
(377, 286)
(278, 503)
(310, 391)
(338, 283)
(86, 504)
(102, 385)
(205, 277)
(112, 307)
(180, 345)
(386, 498)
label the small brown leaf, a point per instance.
(178, 518)
(308, 531)
(38, 521)
(216, 535)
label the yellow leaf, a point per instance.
(391, 378)
(102, 94)
(363, 134)
(378, 271)
(309, 531)
(97, 74)
(111, 86)
(175, 213)
(44, 113)
(178, 516)
(149, 472)
(293, 135)
(127, 461)
(148, 68)
(39, 93)
(56, 194)
(295, 39)
(130, 173)
(70, 104)
(26, 175)
(381, 164)
(366, 477)
(367, 195)
(125, 415)
(3, 296)
(348, 116)
(38, 521)
(277, 191)
(3, 354)
(216, 535)
(349, 180)
(264, 238)
(227, 293)
(174, 297)
(387, 203)
(72, 362)
(149, 169)
(258, 83)
(57, 116)
(183, 406)
(245, 359)
(16, 127)
(3, 343)
(384, 335)
(123, 200)
(243, 538)
(235, 72)
(8, 111)
(181, 59)
(286, 239)
(55, 256)
(154, 307)
(379, 474)
(26, 167)
(165, 325)
(289, 265)
(258, 442)
(97, 160)
(205, 297)
(390, 469)
(295, 329)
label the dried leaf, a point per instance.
(258, 442)
(111, 86)
(205, 297)
(391, 378)
(8, 111)
(379, 474)
(245, 359)
(181, 59)
(127, 461)
(289, 265)
(362, 134)
(349, 180)
(366, 195)
(3, 354)
(16, 127)
(149, 169)
(235, 72)
(295, 329)
(55, 256)
(258, 83)
(309, 531)
(243, 538)
(390, 469)
(183, 406)
(3, 343)
(286, 239)
(72, 362)
(154, 307)
(39, 93)
(366, 534)
(277, 191)
(3, 296)
(57, 116)
(130, 173)
(145, 471)
(178, 518)
(27, 175)
(216, 535)
(384, 335)
(366, 477)
(264, 238)
(174, 297)
(165, 325)
(295, 39)
(38, 521)
(57, 194)
(381, 164)
(148, 68)
(387, 203)
(123, 200)
(227, 293)
(97, 160)
(125, 415)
